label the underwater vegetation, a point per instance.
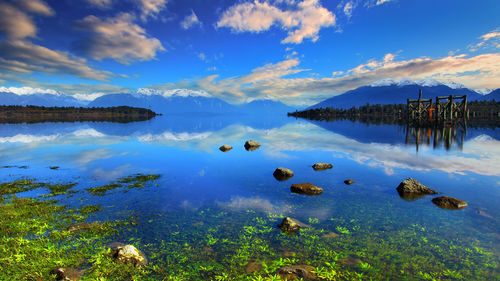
(212, 243)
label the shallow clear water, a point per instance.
(204, 193)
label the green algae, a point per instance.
(129, 182)
(212, 244)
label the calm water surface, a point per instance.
(207, 199)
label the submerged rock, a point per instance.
(446, 202)
(291, 272)
(282, 174)
(322, 166)
(411, 185)
(79, 226)
(306, 188)
(251, 145)
(67, 274)
(349, 261)
(253, 266)
(225, 148)
(349, 181)
(291, 226)
(129, 254)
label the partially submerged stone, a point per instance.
(254, 266)
(67, 274)
(79, 226)
(291, 226)
(306, 188)
(291, 272)
(322, 166)
(349, 261)
(225, 148)
(251, 145)
(282, 174)
(129, 254)
(446, 202)
(411, 185)
(349, 181)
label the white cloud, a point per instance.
(102, 4)
(37, 7)
(190, 21)
(348, 8)
(26, 57)
(380, 2)
(14, 23)
(118, 38)
(304, 20)
(489, 40)
(151, 8)
(482, 71)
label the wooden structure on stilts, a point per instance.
(437, 121)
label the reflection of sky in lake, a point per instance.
(194, 171)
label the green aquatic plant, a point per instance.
(129, 182)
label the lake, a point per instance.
(213, 215)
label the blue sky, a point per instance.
(296, 51)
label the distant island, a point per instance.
(36, 114)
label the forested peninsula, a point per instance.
(36, 114)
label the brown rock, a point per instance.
(306, 188)
(349, 181)
(129, 254)
(322, 166)
(411, 185)
(446, 202)
(225, 148)
(291, 226)
(349, 261)
(291, 272)
(67, 274)
(253, 266)
(282, 174)
(78, 227)
(251, 145)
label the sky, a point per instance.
(299, 52)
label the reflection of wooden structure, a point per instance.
(446, 111)
(438, 121)
(437, 135)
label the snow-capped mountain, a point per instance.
(390, 91)
(39, 99)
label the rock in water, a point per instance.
(291, 226)
(306, 188)
(129, 254)
(349, 181)
(282, 174)
(253, 266)
(225, 148)
(251, 145)
(79, 226)
(411, 185)
(291, 272)
(322, 166)
(446, 202)
(67, 274)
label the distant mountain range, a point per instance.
(165, 102)
(42, 99)
(183, 101)
(390, 91)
